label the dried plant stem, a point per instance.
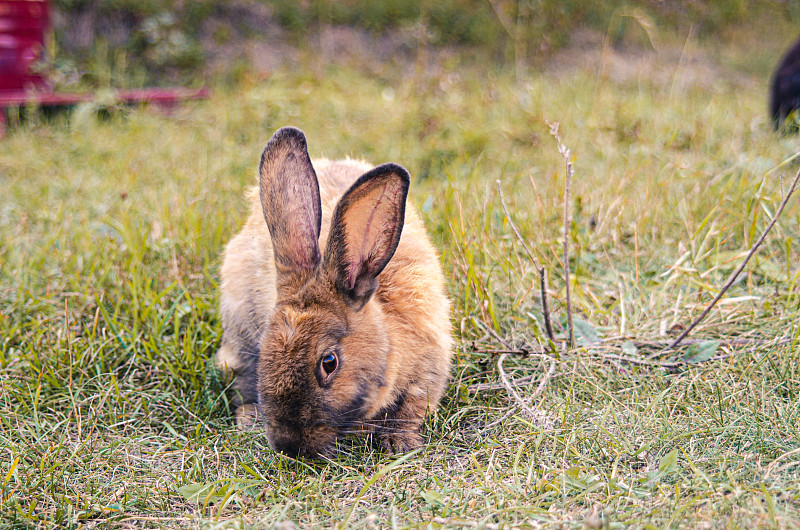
(548, 326)
(520, 352)
(643, 362)
(782, 457)
(542, 277)
(494, 334)
(567, 221)
(539, 417)
(566, 153)
(741, 341)
(460, 522)
(647, 361)
(518, 382)
(613, 342)
(481, 387)
(735, 274)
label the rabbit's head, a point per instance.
(324, 355)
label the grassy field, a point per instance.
(112, 415)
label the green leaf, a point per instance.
(629, 348)
(669, 463)
(585, 334)
(700, 351)
(770, 270)
(252, 471)
(770, 505)
(433, 498)
(666, 466)
(199, 492)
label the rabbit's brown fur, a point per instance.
(287, 303)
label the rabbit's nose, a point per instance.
(286, 444)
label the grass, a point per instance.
(155, 41)
(111, 414)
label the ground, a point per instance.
(111, 230)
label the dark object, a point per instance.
(23, 24)
(785, 87)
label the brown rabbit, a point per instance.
(350, 336)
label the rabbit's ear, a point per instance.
(290, 199)
(365, 231)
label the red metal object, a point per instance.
(22, 27)
(23, 24)
(163, 96)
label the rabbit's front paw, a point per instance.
(394, 443)
(247, 417)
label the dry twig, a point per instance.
(739, 341)
(735, 274)
(647, 361)
(539, 417)
(482, 387)
(782, 457)
(539, 267)
(567, 222)
(498, 352)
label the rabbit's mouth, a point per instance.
(318, 441)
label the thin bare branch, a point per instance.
(500, 352)
(548, 326)
(735, 274)
(567, 222)
(516, 383)
(494, 334)
(502, 18)
(482, 387)
(521, 239)
(740, 341)
(782, 457)
(539, 417)
(642, 361)
(542, 278)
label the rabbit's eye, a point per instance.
(329, 363)
(327, 367)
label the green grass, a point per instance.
(110, 236)
(144, 42)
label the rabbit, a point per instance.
(334, 311)
(785, 89)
